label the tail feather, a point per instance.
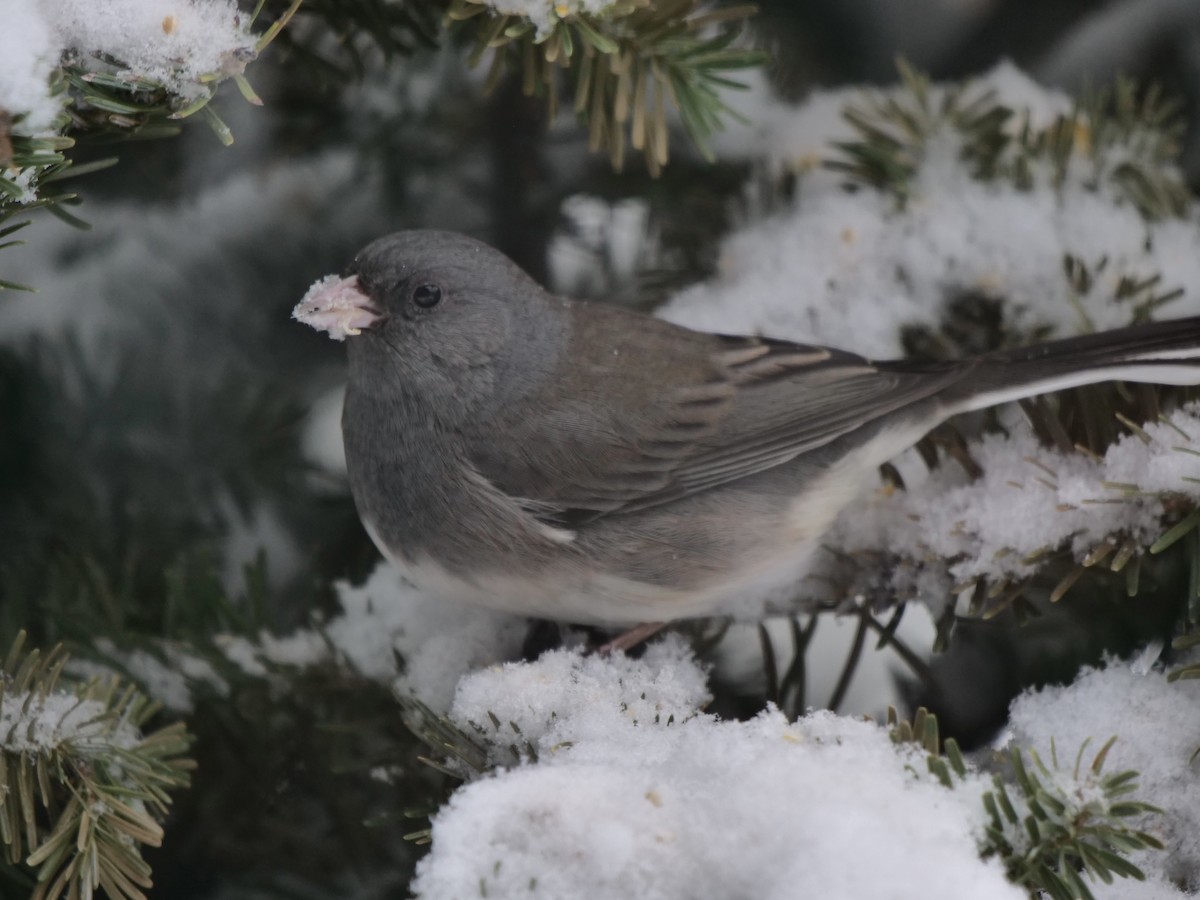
(1159, 353)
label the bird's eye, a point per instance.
(427, 296)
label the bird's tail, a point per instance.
(1158, 353)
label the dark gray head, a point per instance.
(457, 317)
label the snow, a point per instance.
(167, 676)
(258, 532)
(336, 306)
(567, 698)
(546, 13)
(1029, 500)
(40, 724)
(26, 62)
(1153, 888)
(797, 137)
(438, 641)
(853, 269)
(385, 621)
(848, 271)
(602, 247)
(1158, 729)
(173, 42)
(638, 793)
(321, 441)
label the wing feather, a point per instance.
(695, 411)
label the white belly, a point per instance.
(766, 580)
(573, 594)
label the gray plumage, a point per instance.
(585, 463)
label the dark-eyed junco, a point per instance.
(588, 464)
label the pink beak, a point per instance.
(337, 306)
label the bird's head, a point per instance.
(435, 313)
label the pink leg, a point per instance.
(629, 639)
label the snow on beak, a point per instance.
(337, 306)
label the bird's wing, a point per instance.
(644, 412)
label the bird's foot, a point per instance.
(627, 640)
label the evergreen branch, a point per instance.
(1047, 825)
(1189, 671)
(81, 787)
(1087, 420)
(1143, 296)
(629, 62)
(73, 567)
(455, 752)
(1118, 553)
(946, 763)
(1124, 137)
(103, 98)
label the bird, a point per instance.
(589, 464)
